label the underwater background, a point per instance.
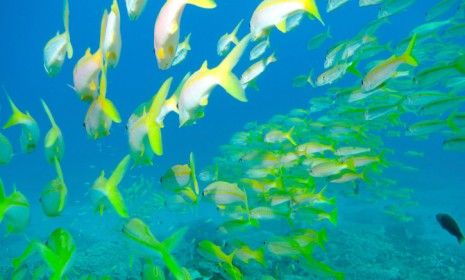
(364, 244)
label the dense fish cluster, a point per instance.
(274, 185)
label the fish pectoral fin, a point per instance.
(282, 26)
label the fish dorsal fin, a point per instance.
(49, 113)
(204, 66)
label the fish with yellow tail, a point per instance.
(87, 69)
(53, 196)
(30, 132)
(54, 144)
(139, 232)
(387, 69)
(271, 13)
(196, 90)
(101, 113)
(167, 27)
(105, 191)
(57, 254)
(144, 131)
(14, 210)
(112, 40)
(58, 47)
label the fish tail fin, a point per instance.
(226, 78)
(353, 69)
(450, 122)
(206, 4)
(113, 194)
(115, 7)
(407, 55)
(17, 117)
(195, 182)
(333, 216)
(322, 237)
(153, 128)
(107, 106)
(272, 58)
(233, 34)
(310, 79)
(289, 136)
(171, 242)
(260, 256)
(69, 47)
(312, 9)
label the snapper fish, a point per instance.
(135, 8)
(57, 253)
(58, 47)
(14, 210)
(271, 13)
(106, 190)
(54, 144)
(250, 75)
(87, 69)
(225, 41)
(167, 27)
(144, 131)
(30, 132)
(387, 69)
(259, 49)
(139, 232)
(101, 113)
(111, 48)
(196, 90)
(182, 50)
(53, 196)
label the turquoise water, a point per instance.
(366, 242)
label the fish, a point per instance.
(6, 150)
(87, 70)
(197, 88)
(245, 254)
(58, 47)
(224, 193)
(54, 194)
(450, 225)
(259, 49)
(106, 191)
(316, 41)
(136, 230)
(54, 143)
(271, 13)
(386, 69)
(101, 113)
(14, 210)
(135, 8)
(171, 104)
(334, 4)
(250, 75)
(167, 29)
(143, 130)
(30, 132)
(335, 73)
(182, 50)
(364, 3)
(225, 41)
(278, 136)
(112, 43)
(57, 253)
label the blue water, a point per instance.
(25, 27)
